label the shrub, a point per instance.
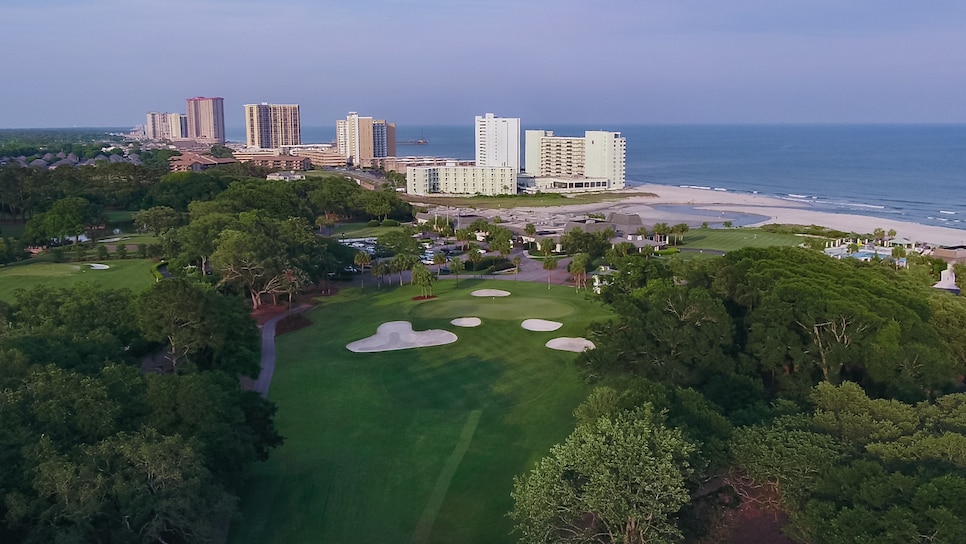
(58, 254)
(121, 252)
(668, 251)
(102, 252)
(373, 223)
(390, 223)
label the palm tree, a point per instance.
(549, 264)
(475, 257)
(423, 278)
(516, 266)
(530, 230)
(378, 270)
(546, 247)
(456, 267)
(578, 267)
(661, 229)
(464, 235)
(679, 231)
(439, 260)
(879, 234)
(362, 260)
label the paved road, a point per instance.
(268, 350)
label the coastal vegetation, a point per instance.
(814, 389)
(94, 448)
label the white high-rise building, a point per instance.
(592, 162)
(498, 141)
(604, 154)
(166, 126)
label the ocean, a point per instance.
(904, 172)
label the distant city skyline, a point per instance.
(100, 62)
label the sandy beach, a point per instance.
(707, 205)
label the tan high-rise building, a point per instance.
(355, 139)
(206, 120)
(271, 126)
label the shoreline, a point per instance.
(674, 204)
(791, 212)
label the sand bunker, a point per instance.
(490, 293)
(396, 335)
(467, 322)
(571, 344)
(95, 266)
(541, 325)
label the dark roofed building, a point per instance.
(592, 226)
(625, 223)
(194, 162)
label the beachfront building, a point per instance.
(498, 141)
(270, 126)
(461, 180)
(403, 164)
(594, 162)
(206, 120)
(362, 139)
(383, 139)
(165, 126)
(322, 155)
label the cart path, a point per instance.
(268, 349)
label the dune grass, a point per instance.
(417, 445)
(134, 274)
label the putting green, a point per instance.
(418, 445)
(134, 274)
(511, 307)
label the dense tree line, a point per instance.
(824, 389)
(33, 143)
(95, 450)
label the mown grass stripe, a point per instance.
(424, 528)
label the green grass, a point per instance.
(732, 239)
(360, 230)
(134, 274)
(417, 445)
(120, 216)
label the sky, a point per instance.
(441, 62)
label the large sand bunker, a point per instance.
(541, 325)
(395, 335)
(571, 344)
(96, 266)
(490, 293)
(467, 322)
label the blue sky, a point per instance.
(107, 62)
